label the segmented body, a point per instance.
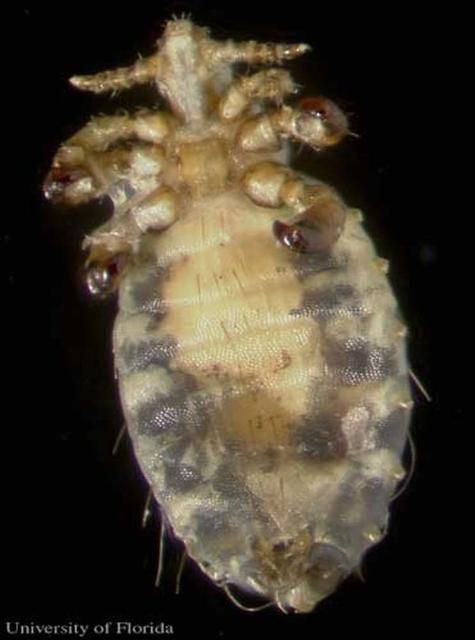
(258, 346)
(265, 395)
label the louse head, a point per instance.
(181, 28)
(297, 574)
(180, 71)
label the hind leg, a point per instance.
(317, 212)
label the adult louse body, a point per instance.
(259, 352)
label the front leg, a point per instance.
(317, 212)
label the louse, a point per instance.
(259, 350)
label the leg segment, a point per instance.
(141, 72)
(252, 52)
(317, 122)
(110, 245)
(90, 165)
(121, 233)
(85, 167)
(319, 213)
(271, 84)
(100, 133)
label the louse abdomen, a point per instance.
(266, 396)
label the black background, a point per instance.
(75, 550)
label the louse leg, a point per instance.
(102, 131)
(316, 122)
(215, 53)
(153, 211)
(252, 52)
(174, 67)
(319, 213)
(111, 244)
(270, 84)
(89, 165)
(141, 72)
(85, 167)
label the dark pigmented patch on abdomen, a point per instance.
(228, 484)
(338, 301)
(319, 437)
(171, 415)
(183, 412)
(180, 478)
(139, 356)
(145, 293)
(357, 361)
(306, 265)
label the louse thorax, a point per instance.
(258, 347)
